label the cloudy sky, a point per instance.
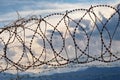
(11, 10)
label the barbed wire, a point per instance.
(20, 38)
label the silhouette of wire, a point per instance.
(17, 34)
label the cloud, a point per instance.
(10, 8)
(62, 40)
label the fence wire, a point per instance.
(71, 37)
